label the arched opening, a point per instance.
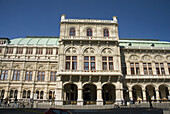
(24, 94)
(137, 92)
(126, 94)
(150, 92)
(11, 94)
(37, 92)
(28, 93)
(50, 95)
(70, 94)
(15, 93)
(89, 94)
(2, 93)
(163, 92)
(108, 94)
(41, 94)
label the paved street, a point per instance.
(85, 111)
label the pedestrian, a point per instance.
(15, 102)
(53, 101)
(131, 100)
(150, 102)
(121, 101)
(5, 102)
(159, 100)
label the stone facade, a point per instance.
(87, 64)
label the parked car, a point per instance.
(57, 111)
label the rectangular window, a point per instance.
(19, 50)
(89, 63)
(9, 50)
(169, 67)
(134, 68)
(28, 76)
(29, 51)
(107, 63)
(71, 62)
(4, 74)
(56, 51)
(41, 75)
(147, 67)
(160, 68)
(39, 51)
(53, 76)
(16, 75)
(86, 65)
(49, 51)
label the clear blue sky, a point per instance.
(148, 19)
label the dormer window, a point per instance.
(72, 32)
(89, 32)
(106, 33)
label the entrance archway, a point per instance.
(70, 94)
(108, 93)
(150, 92)
(137, 92)
(163, 91)
(89, 94)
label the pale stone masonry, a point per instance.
(87, 64)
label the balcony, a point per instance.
(91, 72)
(89, 38)
(147, 77)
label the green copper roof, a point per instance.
(35, 41)
(144, 43)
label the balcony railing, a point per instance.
(89, 38)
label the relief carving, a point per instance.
(134, 57)
(158, 58)
(146, 58)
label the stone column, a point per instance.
(128, 68)
(45, 97)
(141, 68)
(119, 91)
(130, 93)
(80, 94)
(99, 94)
(59, 91)
(19, 92)
(144, 95)
(157, 93)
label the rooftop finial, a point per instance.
(63, 17)
(115, 19)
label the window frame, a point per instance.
(41, 76)
(72, 32)
(106, 33)
(4, 75)
(89, 32)
(16, 75)
(30, 73)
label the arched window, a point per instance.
(41, 94)
(72, 32)
(89, 32)
(106, 33)
(37, 94)
(24, 94)
(15, 93)
(50, 95)
(11, 94)
(28, 93)
(2, 93)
